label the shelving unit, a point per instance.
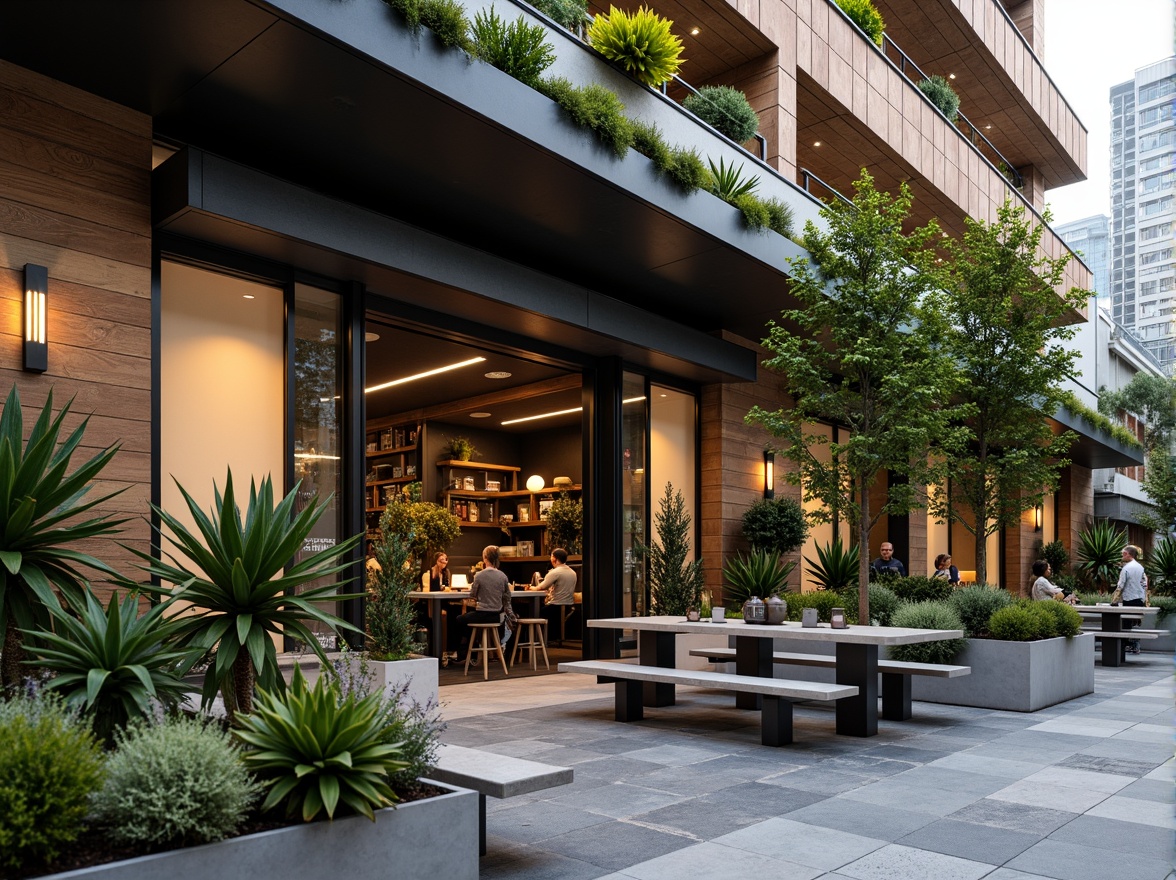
(393, 459)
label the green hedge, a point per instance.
(927, 615)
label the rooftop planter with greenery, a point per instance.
(1094, 417)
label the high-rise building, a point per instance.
(1143, 207)
(1090, 238)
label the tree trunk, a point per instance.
(11, 668)
(981, 554)
(864, 558)
(243, 682)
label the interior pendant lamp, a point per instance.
(769, 473)
(36, 306)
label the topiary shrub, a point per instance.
(976, 604)
(725, 109)
(178, 783)
(641, 44)
(687, 169)
(865, 16)
(594, 107)
(518, 49)
(50, 765)
(883, 604)
(940, 93)
(780, 219)
(571, 14)
(1047, 625)
(927, 615)
(1067, 622)
(1015, 623)
(648, 141)
(775, 524)
(920, 589)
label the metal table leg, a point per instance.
(753, 656)
(858, 665)
(657, 649)
(1114, 653)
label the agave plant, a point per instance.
(1161, 567)
(728, 183)
(641, 43)
(41, 499)
(1100, 550)
(314, 748)
(236, 584)
(835, 567)
(760, 573)
(112, 664)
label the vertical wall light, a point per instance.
(1038, 517)
(36, 305)
(769, 474)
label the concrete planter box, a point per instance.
(437, 837)
(420, 673)
(1164, 644)
(1015, 676)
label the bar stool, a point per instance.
(536, 637)
(484, 641)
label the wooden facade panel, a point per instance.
(64, 163)
(33, 222)
(76, 102)
(87, 302)
(78, 268)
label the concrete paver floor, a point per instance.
(1080, 791)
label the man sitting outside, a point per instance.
(886, 564)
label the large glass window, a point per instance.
(634, 442)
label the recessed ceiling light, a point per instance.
(951, 76)
(370, 336)
(498, 374)
(480, 415)
(694, 32)
(988, 128)
(425, 374)
(816, 143)
(247, 296)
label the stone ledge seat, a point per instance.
(493, 775)
(896, 674)
(778, 694)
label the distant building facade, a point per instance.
(1090, 237)
(1143, 208)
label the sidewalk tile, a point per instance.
(896, 862)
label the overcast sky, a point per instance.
(1091, 45)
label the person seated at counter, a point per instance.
(945, 570)
(437, 577)
(560, 584)
(490, 592)
(1042, 588)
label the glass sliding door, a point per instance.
(635, 503)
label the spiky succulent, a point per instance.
(641, 43)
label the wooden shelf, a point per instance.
(413, 479)
(529, 524)
(399, 450)
(475, 493)
(479, 466)
(536, 559)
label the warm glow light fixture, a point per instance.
(694, 32)
(535, 483)
(562, 412)
(816, 143)
(425, 375)
(36, 311)
(951, 76)
(1038, 517)
(769, 474)
(459, 582)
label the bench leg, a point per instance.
(858, 665)
(776, 724)
(752, 657)
(481, 824)
(629, 700)
(896, 696)
(657, 649)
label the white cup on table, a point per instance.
(718, 614)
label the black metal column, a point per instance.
(857, 665)
(352, 444)
(752, 657)
(603, 571)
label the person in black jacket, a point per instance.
(886, 564)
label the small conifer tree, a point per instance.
(675, 583)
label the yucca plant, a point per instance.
(760, 573)
(315, 749)
(1100, 550)
(231, 571)
(42, 497)
(728, 183)
(835, 567)
(111, 664)
(641, 44)
(1161, 567)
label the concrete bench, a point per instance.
(896, 674)
(778, 694)
(499, 776)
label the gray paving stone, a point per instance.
(856, 817)
(818, 780)
(913, 796)
(1013, 816)
(614, 768)
(968, 840)
(698, 819)
(537, 820)
(761, 799)
(1071, 861)
(896, 862)
(952, 780)
(1149, 790)
(1100, 764)
(618, 800)
(1112, 834)
(535, 864)
(615, 845)
(716, 862)
(1010, 874)
(812, 845)
(1127, 750)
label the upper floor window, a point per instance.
(1157, 90)
(1155, 141)
(1155, 115)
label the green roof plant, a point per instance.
(231, 571)
(445, 18)
(518, 49)
(927, 615)
(111, 665)
(727, 181)
(571, 14)
(687, 169)
(865, 15)
(593, 107)
(178, 783)
(940, 93)
(43, 503)
(641, 44)
(318, 751)
(648, 141)
(780, 218)
(50, 765)
(918, 588)
(725, 109)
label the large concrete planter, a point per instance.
(1015, 676)
(420, 673)
(437, 837)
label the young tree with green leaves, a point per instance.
(860, 350)
(1153, 399)
(1159, 482)
(1006, 335)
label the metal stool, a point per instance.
(484, 641)
(536, 638)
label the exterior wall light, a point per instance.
(769, 474)
(36, 305)
(1038, 517)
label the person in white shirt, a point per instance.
(1131, 583)
(1042, 588)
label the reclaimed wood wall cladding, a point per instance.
(76, 199)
